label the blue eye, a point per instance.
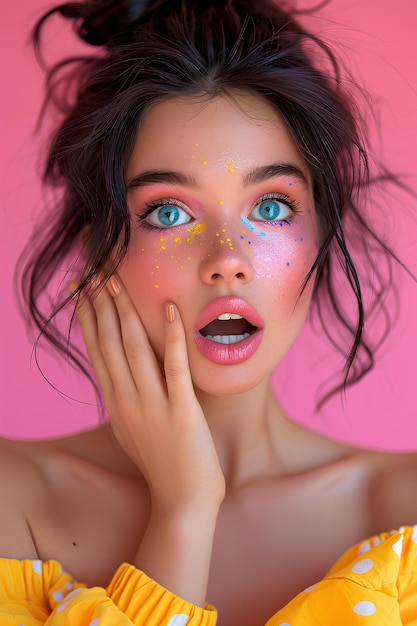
(166, 216)
(271, 210)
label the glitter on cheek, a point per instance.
(231, 168)
(198, 230)
(203, 161)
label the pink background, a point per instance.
(377, 40)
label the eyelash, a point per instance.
(293, 205)
(157, 204)
(152, 206)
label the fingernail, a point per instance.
(114, 285)
(170, 313)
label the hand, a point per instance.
(156, 418)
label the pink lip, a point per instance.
(233, 353)
(229, 304)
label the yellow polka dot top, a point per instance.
(372, 584)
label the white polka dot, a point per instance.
(179, 620)
(364, 547)
(364, 608)
(95, 622)
(398, 547)
(284, 624)
(361, 567)
(69, 585)
(414, 535)
(37, 566)
(377, 541)
(311, 588)
(58, 595)
(62, 606)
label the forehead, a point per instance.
(197, 130)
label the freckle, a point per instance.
(232, 168)
(301, 238)
(249, 242)
(290, 184)
(288, 263)
(309, 211)
(241, 236)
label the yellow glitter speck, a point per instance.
(203, 161)
(156, 286)
(232, 168)
(157, 267)
(223, 230)
(228, 239)
(188, 258)
(162, 239)
(221, 241)
(197, 230)
(217, 235)
(163, 247)
(221, 201)
(177, 240)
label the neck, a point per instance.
(246, 430)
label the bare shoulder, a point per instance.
(23, 483)
(35, 476)
(392, 487)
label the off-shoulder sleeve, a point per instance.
(373, 584)
(36, 593)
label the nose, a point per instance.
(226, 262)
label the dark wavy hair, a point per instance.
(152, 51)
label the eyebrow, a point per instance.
(254, 176)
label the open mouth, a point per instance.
(228, 328)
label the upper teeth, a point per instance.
(229, 316)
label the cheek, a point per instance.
(284, 256)
(154, 271)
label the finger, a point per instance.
(87, 322)
(177, 370)
(139, 353)
(110, 342)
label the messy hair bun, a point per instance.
(101, 22)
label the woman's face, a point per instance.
(224, 226)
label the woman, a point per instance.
(207, 168)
